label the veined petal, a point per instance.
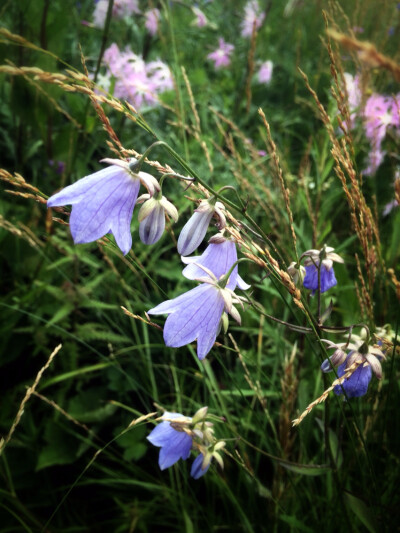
(170, 306)
(198, 319)
(218, 258)
(178, 447)
(75, 193)
(108, 208)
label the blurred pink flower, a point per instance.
(380, 113)
(201, 19)
(264, 74)
(121, 9)
(221, 56)
(152, 17)
(252, 14)
(354, 94)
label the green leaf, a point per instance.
(362, 511)
(60, 448)
(305, 470)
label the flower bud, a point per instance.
(193, 232)
(152, 217)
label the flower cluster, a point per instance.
(136, 81)
(178, 435)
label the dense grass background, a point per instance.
(72, 464)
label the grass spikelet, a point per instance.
(29, 392)
(325, 394)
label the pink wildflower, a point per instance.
(252, 14)
(264, 74)
(136, 81)
(121, 9)
(152, 17)
(354, 94)
(221, 56)
(380, 113)
(201, 19)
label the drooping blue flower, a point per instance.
(357, 384)
(218, 257)
(328, 279)
(103, 203)
(175, 444)
(327, 275)
(197, 469)
(197, 314)
(193, 232)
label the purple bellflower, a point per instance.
(152, 216)
(103, 202)
(369, 359)
(219, 257)
(197, 314)
(193, 232)
(357, 384)
(327, 274)
(174, 441)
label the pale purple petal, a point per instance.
(102, 202)
(174, 444)
(219, 258)
(108, 208)
(199, 319)
(242, 284)
(170, 306)
(73, 194)
(193, 232)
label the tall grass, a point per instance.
(74, 454)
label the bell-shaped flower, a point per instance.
(357, 383)
(152, 217)
(103, 202)
(173, 437)
(368, 359)
(196, 314)
(193, 232)
(327, 274)
(219, 256)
